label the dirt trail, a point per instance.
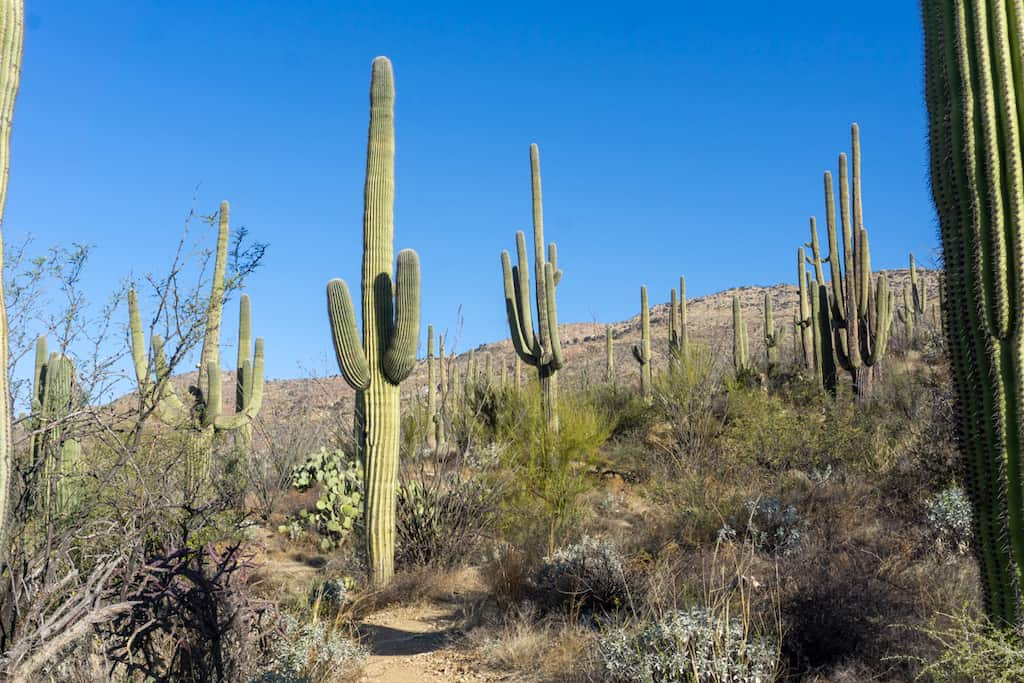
(415, 645)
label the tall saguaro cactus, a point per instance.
(205, 418)
(543, 348)
(772, 335)
(740, 343)
(432, 415)
(684, 327)
(861, 310)
(973, 57)
(375, 365)
(12, 25)
(804, 319)
(642, 352)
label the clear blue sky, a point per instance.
(676, 138)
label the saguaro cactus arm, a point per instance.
(399, 358)
(348, 347)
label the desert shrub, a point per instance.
(970, 649)
(310, 652)
(544, 473)
(339, 506)
(769, 525)
(631, 414)
(329, 595)
(690, 399)
(507, 575)
(949, 518)
(442, 518)
(688, 646)
(588, 576)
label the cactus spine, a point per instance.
(12, 24)
(205, 419)
(609, 355)
(740, 344)
(386, 354)
(972, 87)
(772, 335)
(862, 314)
(642, 353)
(541, 349)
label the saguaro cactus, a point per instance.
(684, 327)
(740, 343)
(431, 391)
(862, 313)
(53, 401)
(821, 327)
(386, 355)
(772, 335)
(804, 319)
(642, 352)
(918, 290)
(609, 355)
(541, 349)
(973, 56)
(205, 418)
(673, 329)
(12, 24)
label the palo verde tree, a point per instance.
(202, 418)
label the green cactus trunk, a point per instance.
(53, 401)
(390, 307)
(543, 348)
(642, 353)
(973, 59)
(12, 24)
(821, 326)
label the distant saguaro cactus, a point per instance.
(804, 320)
(432, 414)
(386, 355)
(973, 56)
(861, 312)
(12, 26)
(642, 352)
(202, 420)
(772, 335)
(609, 355)
(740, 343)
(53, 401)
(543, 348)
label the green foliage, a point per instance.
(546, 472)
(971, 649)
(312, 652)
(339, 507)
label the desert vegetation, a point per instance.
(817, 481)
